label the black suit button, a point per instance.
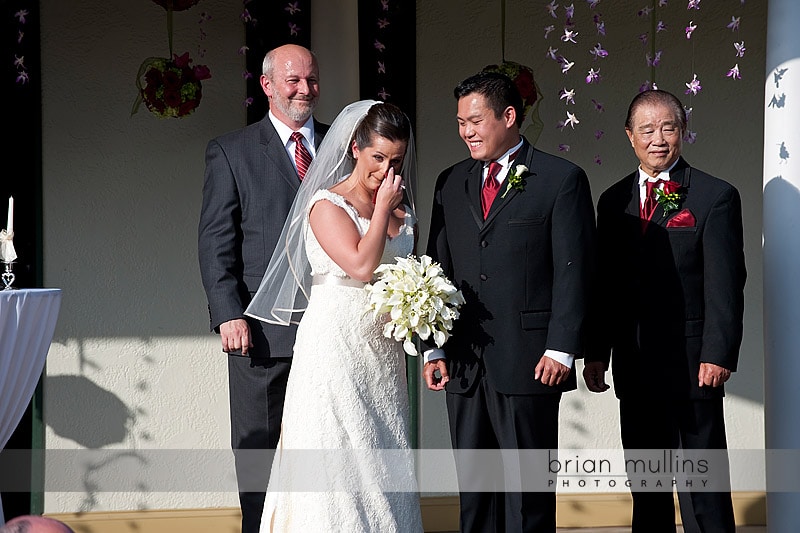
(484, 277)
(484, 244)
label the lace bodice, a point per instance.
(347, 391)
(399, 246)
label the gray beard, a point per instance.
(295, 113)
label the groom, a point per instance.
(523, 261)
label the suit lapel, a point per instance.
(681, 173)
(275, 151)
(634, 202)
(472, 189)
(658, 215)
(320, 130)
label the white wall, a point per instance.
(133, 367)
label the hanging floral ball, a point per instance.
(522, 77)
(172, 87)
(176, 5)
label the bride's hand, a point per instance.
(390, 193)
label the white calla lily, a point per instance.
(418, 298)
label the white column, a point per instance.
(781, 252)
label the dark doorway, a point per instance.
(22, 179)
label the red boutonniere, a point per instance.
(670, 196)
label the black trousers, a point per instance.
(691, 425)
(484, 419)
(257, 391)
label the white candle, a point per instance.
(10, 222)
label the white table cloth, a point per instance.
(27, 322)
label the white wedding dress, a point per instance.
(343, 463)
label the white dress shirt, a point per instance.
(644, 177)
(504, 161)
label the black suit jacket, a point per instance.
(523, 272)
(250, 184)
(670, 297)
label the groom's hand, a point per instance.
(550, 372)
(429, 372)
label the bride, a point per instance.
(344, 462)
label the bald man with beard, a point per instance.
(251, 179)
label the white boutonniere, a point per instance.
(515, 180)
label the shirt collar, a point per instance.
(504, 159)
(663, 175)
(285, 132)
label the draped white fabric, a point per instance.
(27, 321)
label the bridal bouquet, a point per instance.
(419, 299)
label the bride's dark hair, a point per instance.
(284, 290)
(382, 120)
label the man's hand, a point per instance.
(235, 335)
(550, 372)
(594, 374)
(712, 375)
(434, 381)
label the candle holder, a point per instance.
(8, 275)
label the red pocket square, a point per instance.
(683, 219)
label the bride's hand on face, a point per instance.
(390, 192)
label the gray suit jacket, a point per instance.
(250, 184)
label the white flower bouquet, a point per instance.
(419, 299)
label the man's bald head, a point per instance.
(35, 524)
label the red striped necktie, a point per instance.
(302, 157)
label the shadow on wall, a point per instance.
(781, 222)
(102, 418)
(781, 290)
(748, 380)
(575, 406)
(93, 417)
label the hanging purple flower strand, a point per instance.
(693, 86)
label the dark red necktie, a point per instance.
(490, 187)
(301, 156)
(650, 203)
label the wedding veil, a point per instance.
(283, 294)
